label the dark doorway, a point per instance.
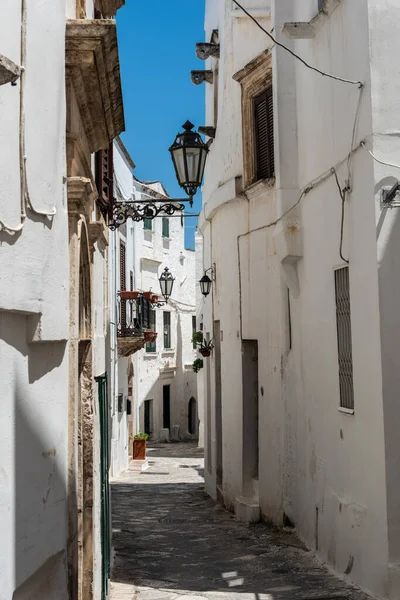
(148, 416)
(192, 416)
(166, 406)
(250, 414)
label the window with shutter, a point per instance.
(148, 224)
(104, 178)
(122, 281)
(152, 346)
(264, 135)
(167, 329)
(345, 351)
(165, 227)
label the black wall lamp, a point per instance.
(205, 282)
(188, 153)
(166, 280)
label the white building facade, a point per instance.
(54, 321)
(299, 395)
(153, 385)
(165, 384)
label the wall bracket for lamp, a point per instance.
(390, 196)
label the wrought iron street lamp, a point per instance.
(166, 284)
(205, 282)
(189, 154)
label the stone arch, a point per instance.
(192, 416)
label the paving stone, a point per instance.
(172, 542)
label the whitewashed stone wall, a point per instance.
(332, 474)
(34, 311)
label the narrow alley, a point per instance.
(171, 540)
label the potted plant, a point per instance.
(205, 350)
(197, 365)
(154, 299)
(139, 445)
(128, 295)
(203, 346)
(148, 295)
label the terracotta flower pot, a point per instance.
(139, 449)
(128, 295)
(148, 295)
(154, 298)
(205, 351)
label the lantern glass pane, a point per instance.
(169, 286)
(202, 165)
(192, 159)
(179, 160)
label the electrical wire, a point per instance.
(342, 194)
(381, 162)
(306, 64)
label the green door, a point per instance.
(104, 482)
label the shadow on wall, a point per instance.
(34, 420)
(388, 238)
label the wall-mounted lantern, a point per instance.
(205, 282)
(189, 154)
(166, 285)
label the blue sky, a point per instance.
(157, 47)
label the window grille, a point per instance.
(264, 135)
(165, 227)
(167, 329)
(343, 324)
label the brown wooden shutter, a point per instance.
(104, 178)
(122, 282)
(264, 135)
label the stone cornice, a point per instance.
(108, 8)
(80, 195)
(92, 68)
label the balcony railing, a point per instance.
(134, 314)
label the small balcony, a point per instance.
(134, 322)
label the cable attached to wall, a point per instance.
(381, 162)
(342, 194)
(306, 64)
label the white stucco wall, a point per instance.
(315, 462)
(34, 312)
(120, 447)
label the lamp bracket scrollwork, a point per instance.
(139, 211)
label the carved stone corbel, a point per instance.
(208, 131)
(199, 77)
(205, 49)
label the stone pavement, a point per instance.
(172, 542)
